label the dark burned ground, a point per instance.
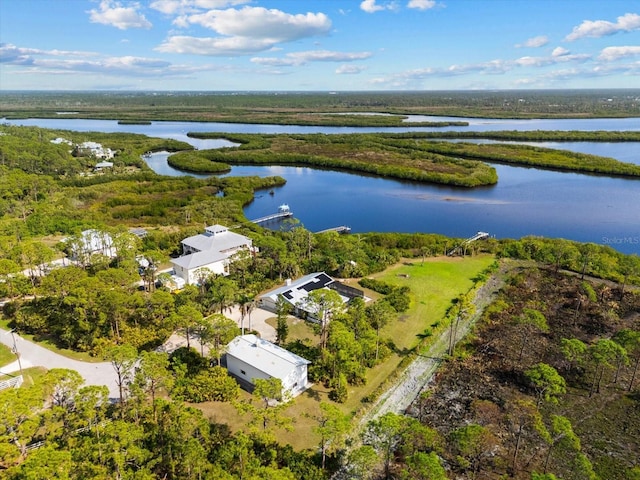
(486, 385)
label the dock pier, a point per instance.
(462, 246)
(340, 229)
(283, 212)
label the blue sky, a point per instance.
(320, 45)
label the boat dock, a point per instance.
(340, 229)
(462, 246)
(283, 212)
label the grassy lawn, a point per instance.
(434, 284)
(6, 356)
(33, 375)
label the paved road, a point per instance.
(33, 355)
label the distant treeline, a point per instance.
(536, 135)
(294, 108)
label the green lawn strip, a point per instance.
(48, 344)
(6, 355)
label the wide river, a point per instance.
(526, 201)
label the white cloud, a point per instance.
(214, 46)
(534, 42)
(421, 4)
(559, 52)
(259, 22)
(533, 61)
(492, 67)
(559, 55)
(610, 54)
(12, 54)
(600, 28)
(173, 7)
(301, 58)
(349, 69)
(57, 62)
(114, 14)
(370, 6)
(245, 31)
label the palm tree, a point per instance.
(246, 302)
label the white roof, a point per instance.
(199, 259)
(267, 357)
(221, 240)
(215, 245)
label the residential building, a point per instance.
(250, 357)
(209, 253)
(91, 242)
(295, 292)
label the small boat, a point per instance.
(271, 192)
(284, 208)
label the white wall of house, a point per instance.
(293, 383)
(244, 371)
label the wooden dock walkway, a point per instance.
(340, 229)
(273, 216)
(462, 246)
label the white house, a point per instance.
(209, 253)
(91, 242)
(94, 149)
(294, 292)
(250, 358)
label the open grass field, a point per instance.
(434, 284)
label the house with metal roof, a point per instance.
(295, 292)
(209, 253)
(250, 357)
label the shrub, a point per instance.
(209, 385)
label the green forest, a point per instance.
(557, 330)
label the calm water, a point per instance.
(526, 201)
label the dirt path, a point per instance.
(406, 389)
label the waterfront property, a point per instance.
(250, 358)
(209, 253)
(295, 292)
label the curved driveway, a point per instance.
(33, 355)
